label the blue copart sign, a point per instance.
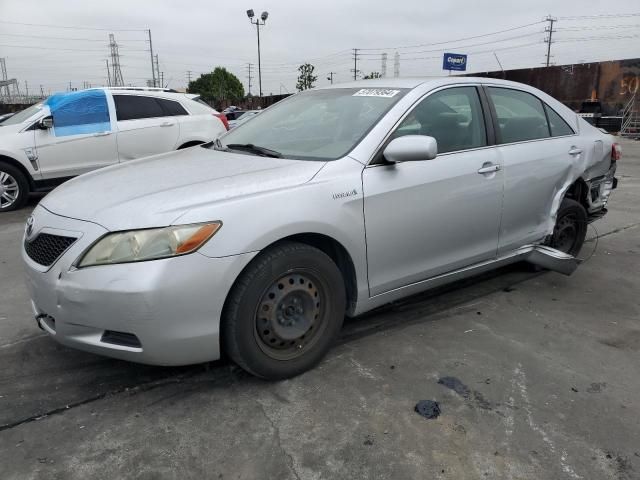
(454, 61)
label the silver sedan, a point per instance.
(330, 203)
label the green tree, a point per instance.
(372, 75)
(218, 86)
(306, 78)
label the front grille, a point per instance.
(45, 249)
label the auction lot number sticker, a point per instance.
(376, 92)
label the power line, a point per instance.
(598, 17)
(71, 27)
(64, 38)
(463, 46)
(62, 49)
(458, 39)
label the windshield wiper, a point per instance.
(251, 148)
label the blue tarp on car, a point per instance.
(77, 113)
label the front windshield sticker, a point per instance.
(376, 92)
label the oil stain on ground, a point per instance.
(472, 396)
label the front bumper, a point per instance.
(172, 306)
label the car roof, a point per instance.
(148, 92)
(413, 82)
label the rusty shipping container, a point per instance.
(612, 83)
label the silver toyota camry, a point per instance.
(330, 203)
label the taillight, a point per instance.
(223, 118)
(616, 152)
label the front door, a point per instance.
(81, 139)
(430, 217)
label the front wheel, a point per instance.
(570, 229)
(284, 312)
(14, 188)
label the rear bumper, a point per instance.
(171, 306)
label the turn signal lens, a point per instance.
(198, 239)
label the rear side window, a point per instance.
(131, 107)
(521, 115)
(558, 126)
(79, 113)
(171, 108)
(452, 116)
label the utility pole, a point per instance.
(189, 72)
(70, 86)
(383, 67)
(396, 65)
(158, 72)
(41, 91)
(548, 40)
(161, 79)
(355, 64)
(153, 71)
(26, 88)
(249, 65)
(330, 77)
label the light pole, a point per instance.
(257, 23)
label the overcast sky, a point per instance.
(198, 35)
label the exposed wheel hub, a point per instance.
(287, 315)
(565, 233)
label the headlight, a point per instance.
(149, 244)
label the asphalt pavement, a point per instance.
(535, 374)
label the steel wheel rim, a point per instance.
(289, 318)
(9, 190)
(565, 233)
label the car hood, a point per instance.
(155, 191)
(11, 129)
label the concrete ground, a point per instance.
(544, 370)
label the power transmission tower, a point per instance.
(116, 75)
(355, 64)
(383, 67)
(161, 79)
(330, 77)
(396, 65)
(249, 65)
(4, 91)
(189, 72)
(108, 74)
(548, 40)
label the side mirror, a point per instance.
(411, 148)
(45, 123)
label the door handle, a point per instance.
(491, 168)
(101, 134)
(575, 151)
(167, 124)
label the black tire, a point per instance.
(570, 229)
(10, 175)
(257, 332)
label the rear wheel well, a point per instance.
(192, 143)
(578, 191)
(20, 167)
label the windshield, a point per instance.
(317, 124)
(25, 114)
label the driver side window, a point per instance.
(453, 117)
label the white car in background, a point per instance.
(73, 133)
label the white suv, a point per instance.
(73, 133)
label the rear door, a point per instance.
(82, 138)
(537, 149)
(430, 217)
(144, 128)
